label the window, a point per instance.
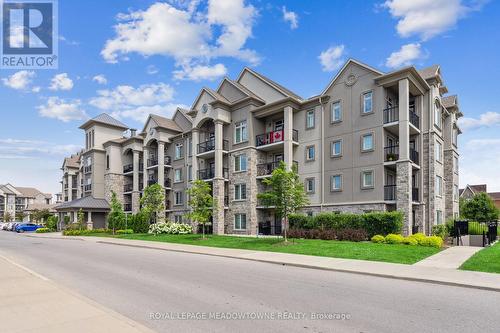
(367, 142)
(336, 112)
(240, 221)
(86, 140)
(368, 102)
(107, 161)
(178, 218)
(439, 151)
(367, 179)
(178, 175)
(179, 152)
(310, 185)
(310, 213)
(310, 153)
(439, 186)
(438, 115)
(455, 192)
(190, 172)
(455, 164)
(455, 137)
(439, 217)
(240, 163)
(240, 192)
(93, 139)
(336, 183)
(178, 198)
(336, 148)
(240, 132)
(190, 147)
(310, 119)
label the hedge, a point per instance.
(43, 230)
(85, 232)
(415, 239)
(383, 223)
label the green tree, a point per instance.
(80, 219)
(286, 193)
(40, 215)
(201, 203)
(20, 216)
(153, 201)
(7, 217)
(116, 218)
(52, 222)
(479, 208)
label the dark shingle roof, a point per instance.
(85, 203)
(105, 119)
(494, 195)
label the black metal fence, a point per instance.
(268, 228)
(488, 231)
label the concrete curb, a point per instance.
(292, 264)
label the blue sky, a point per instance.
(132, 57)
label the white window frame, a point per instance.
(438, 115)
(439, 151)
(309, 118)
(332, 183)
(439, 186)
(238, 219)
(308, 149)
(311, 181)
(240, 192)
(455, 164)
(179, 153)
(365, 99)
(178, 180)
(241, 127)
(363, 184)
(332, 146)
(439, 216)
(363, 149)
(238, 163)
(333, 118)
(190, 172)
(178, 195)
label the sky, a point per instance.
(130, 58)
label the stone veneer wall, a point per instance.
(404, 193)
(113, 182)
(448, 182)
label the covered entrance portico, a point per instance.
(95, 212)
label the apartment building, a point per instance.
(370, 141)
(15, 200)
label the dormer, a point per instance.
(101, 129)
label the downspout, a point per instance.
(430, 125)
(322, 194)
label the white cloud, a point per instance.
(136, 103)
(488, 119)
(479, 163)
(151, 70)
(200, 72)
(405, 56)
(28, 148)
(20, 80)
(101, 79)
(332, 58)
(428, 18)
(290, 17)
(61, 82)
(67, 41)
(61, 109)
(181, 30)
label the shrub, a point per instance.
(419, 237)
(312, 234)
(125, 231)
(382, 223)
(378, 239)
(300, 221)
(76, 226)
(42, 230)
(52, 222)
(69, 232)
(139, 223)
(433, 241)
(170, 228)
(410, 241)
(440, 230)
(394, 239)
(353, 235)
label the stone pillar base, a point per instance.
(218, 215)
(403, 194)
(90, 226)
(136, 202)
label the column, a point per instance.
(218, 181)
(288, 137)
(161, 163)
(135, 183)
(145, 158)
(70, 187)
(404, 166)
(195, 139)
(89, 220)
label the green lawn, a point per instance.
(403, 254)
(486, 260)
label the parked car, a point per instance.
(8, 227)
(2, 225)
(22, 227)
(14, 225)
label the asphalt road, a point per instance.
(153, 286)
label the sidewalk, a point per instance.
(422, 273)
(31, 303)
(452, 257)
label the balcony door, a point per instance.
(279, 125)
(278, 157)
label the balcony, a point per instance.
(168, 183)
(226, 201)
(152, 162)
(274, 137)
(87, 188)
(66, 186)
(266, 169)
(390, 192)
(128, 188)
(209, 146)
(206, 174)
(414, 156)
(168, 160)
(391, 153)
(391, 114)
(414, 194)
(127, 207)
(414, 119)
(152, 181)
(128, 168)
(87, 169)
(168, 204)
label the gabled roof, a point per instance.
(474, 188)
(28, 192)
(9, 189)
(163, 123)
(73, 161)
(449, 101)
(105, 119)
(247, 92)
(84, 203)
(494, 195)
(429, 72)
(348, 62)
(285, 91)
(184, 112)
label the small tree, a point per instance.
(20, 216)
(479, 208)
(286, 193)
(52, 222)
(7, 217)
(153, 201)
(116, 217)
(80, 219)
(201, 203)
(40, 215)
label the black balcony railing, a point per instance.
(391, 114)
(128, 168)
(87, 188)
(268, 228)
(127, 207)
(141, 166)
(128, 187)
(209, 145)
(87, 169)
(205, 174)
(168, 183)
(390, 192)
(66, 186)
(168, 160)
(274, 137)
(414, 194)
(152, 181)
(226, 201)
(152, 162)
(391, 153)
(414, 156)
(414, 119)
(167, 204)
(266, 169)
